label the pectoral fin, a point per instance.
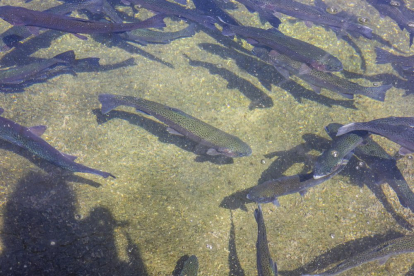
(213, 152)
(173, 131)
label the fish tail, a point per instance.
(108, 102)
(67, 57)
(378, 93)
(156, 21)
(383, 56)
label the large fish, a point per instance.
(383, 57)
(29, 138)
(264, 14)
(401, 134)
(271, 190)
(265, 265)
(318, 79)
(190, 267)
(293, 48)
(381, 252)
(180, 123)
(339, 22)
(168, 8)
(338, 154)
(24, 17)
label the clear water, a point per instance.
(166, 202)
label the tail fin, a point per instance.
(68, 57)
(378, 93)
(156, 21)
(383, 56)
(108, 102)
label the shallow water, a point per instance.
(165, 202)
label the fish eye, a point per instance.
(334, 153)
(363, 20)
(394, 3)
(332, 10)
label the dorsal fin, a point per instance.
(38, 130)
(70, 157)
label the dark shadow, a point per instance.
(342, 252)
(180, 265)
(43, 234)
(258, 98)
(235, 268)
(52, 171)
(268, 76)
(160, 130)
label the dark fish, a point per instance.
(20, 74)
(168, 8)
(144, 36)
(12, 36)
(338, 22)
(318, 79)
(209, 7)
(383, 57)
(180, 123)
(338, 154)
(264, 14)
(293, 48)
(380, 253)
(395, 121)
(269, 191)
(265, 264)
(20, 16)
(400, 134)
(190, 267)
(29, 138)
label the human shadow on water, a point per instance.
(358, 175)
(51, 169)
(160, 130)
(258, 98)
(341, 252)
(43, 235)
(268, 76)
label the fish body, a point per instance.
(218, 142)
(400, 134)
(24, 17)
(338, 154)
(318, 79)
(295, 49)
(264, 14)
(383, 57)
(190, 267)
(271, 190)
(337, 22)
(265, 264)
(379, 253)
(209, 7)
(168, 8)
(29, 138)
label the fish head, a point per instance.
(327, 163)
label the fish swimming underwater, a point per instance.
(29, 138)
(265, 265)
(24, 17)
(180, 123)
(402, 134)
(381, 252)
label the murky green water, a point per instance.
(163, 203)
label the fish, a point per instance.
(264, 14)
(338, 154)
(29, 139)
(384, 57)
(19, 16)
(190, 267)
(380, 253)
(400, 134)
(317, 14)
(180, 123)
(382, 167)
(210, 8)
(318, 79)
(295, 49)
(265, 265)
(168, 8)
(21, 74)
(271, 190)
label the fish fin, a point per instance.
(377, 93)
(303, 192)
(383, 260)
(404, 151)
(304, 69)
(345, 129)
(276, 202)
(345, 95)
(33, 30)
(126, 2)
(383, 56)
(38, 130)
(315, 88)
(70, 157)
(173, 131)
(213, 152)
(227, 31)
(252, 41)
(68, 56)
(108, 102)
(82, 37)
(1, 110)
